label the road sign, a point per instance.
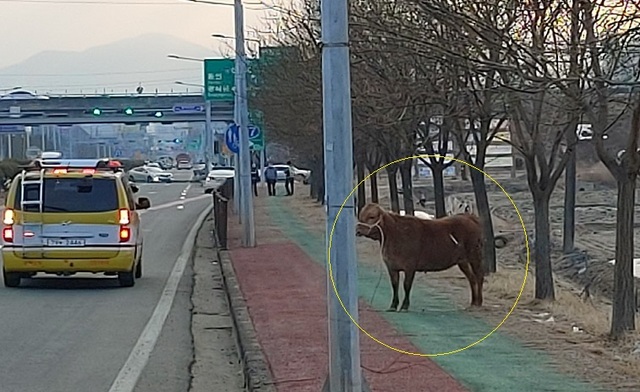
(12, 128)
(219, 79)
(231, 138)
(188, 108)
(117, 153)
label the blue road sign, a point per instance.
(188, 109)
(11, 128)
(117, 153)
(231, 138)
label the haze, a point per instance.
(29, 27)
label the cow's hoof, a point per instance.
(404, 309)
(391, 309)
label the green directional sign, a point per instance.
(219, 79)
(256, 139)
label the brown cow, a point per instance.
(413, 245)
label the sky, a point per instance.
(28, 27)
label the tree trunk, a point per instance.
(484, 212)
(316, 175)
(321, 182)
(374, 188)
(624, 301)
(393, 188)
(438, 190)
(542, 247)
(407, 186)
(362, 195)
(569, 229)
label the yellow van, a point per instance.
(64, 216)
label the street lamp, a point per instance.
(208, 132)
(246, 198)
(174, 56)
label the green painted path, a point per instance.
(498, 364)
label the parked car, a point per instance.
(184, 165)
(298, 174)
(217, 176)
(149, 174)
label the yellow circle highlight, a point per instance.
(524, 282)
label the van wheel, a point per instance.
(149, 179)
(11, 279)
(126, 279)
(138, 273)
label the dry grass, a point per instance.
(572, 330)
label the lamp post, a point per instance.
(244, 161)
(207, 127)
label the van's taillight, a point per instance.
(7, 234)
(8, 216)
(123, 216)
(88, 171)
(59, 171)
(125, 234)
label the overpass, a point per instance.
(111, 109)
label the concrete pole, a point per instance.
(236, 178)
(248, 224)
(10, 145)
(345, 374)
(207, 138)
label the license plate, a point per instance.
(65, 242)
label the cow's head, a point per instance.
(370, 222)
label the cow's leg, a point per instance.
(408, 282)
(395, 281)
(479, 274)
(471, 277)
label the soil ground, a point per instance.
(573, 330)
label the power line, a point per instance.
(104, 73)
(103, 85)
(102, 2)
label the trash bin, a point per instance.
(221, 198)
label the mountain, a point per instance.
(116, 66)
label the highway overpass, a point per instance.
(142, 108)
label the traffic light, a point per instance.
(157, 114)
(97, 111)
(128, 111)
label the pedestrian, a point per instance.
(255, 178)
(288, 182)
(271, 176)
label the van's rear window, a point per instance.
(72, 195)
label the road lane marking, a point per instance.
(173, 203)
(130, 373)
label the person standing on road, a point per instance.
(255, 178)
(288, 182)
(271, 176)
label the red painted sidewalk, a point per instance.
(285, 293)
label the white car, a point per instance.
(217, 176)
(22, 94)
(299, 174)
(149, 174)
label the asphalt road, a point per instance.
(77, 333)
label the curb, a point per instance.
(257, 375)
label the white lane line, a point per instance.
(139, 356)
(173, 203)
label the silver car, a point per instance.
(149, 174)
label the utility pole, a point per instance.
(207, 138)
(246, 196)
(345, 374)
